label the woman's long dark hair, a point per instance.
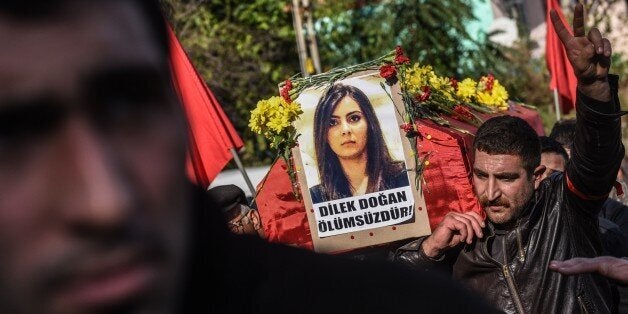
(379, 165)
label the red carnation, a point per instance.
(400, 57)
(463, 112)
(387, 71)
(402, 60)
(425, 95)
(454, 83)
(489, 82)
(285, 91)
(398, 51)
(407, 127)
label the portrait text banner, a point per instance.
(357, 213)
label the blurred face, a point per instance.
(91, 164)
(553, 163)
(244, 220)
(348, 129)
(502, 185)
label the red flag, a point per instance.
(563, 78)
(211, 134)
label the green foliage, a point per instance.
(431, 31)
(526, 78)
(243, 50)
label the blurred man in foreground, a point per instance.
(91, 152)
(95, 214)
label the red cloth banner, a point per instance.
(211, 134)
(563, 78)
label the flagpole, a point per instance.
(556, 104)
(298, 29)
(238, 162)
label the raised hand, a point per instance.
(589, 55)
(454, 229)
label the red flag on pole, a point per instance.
(563, 78)
(211, 134)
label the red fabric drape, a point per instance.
(530, 115)
(448, 176)
(563, 78)
(515, 109)
(283, 217)
(211, 134)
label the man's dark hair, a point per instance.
(507, 135)
(23, 9)
(550, 145)
(564, 132)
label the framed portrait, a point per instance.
(355, 166)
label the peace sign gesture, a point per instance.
(589, 55)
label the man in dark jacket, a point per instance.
(554, 158)
(95, 212)
(507, 258)
(613, 209)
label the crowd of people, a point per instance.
(96, 215)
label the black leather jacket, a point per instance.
(559, 222)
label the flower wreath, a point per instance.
(425, 95)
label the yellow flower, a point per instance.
(485, 98)
(442, 85)
(499, 91)
(497, 97)
(438, 82)
(272, 116)
(466, 89)
(416, 77)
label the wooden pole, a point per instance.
(557, 105)
(311, 36)
(238, 162)
(297, 22)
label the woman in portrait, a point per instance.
(350, 149)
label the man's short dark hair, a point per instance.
(507, 135)
(564, 132)
(550, 145)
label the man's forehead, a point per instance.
(553, 160)
(53, 53)
(497, 163)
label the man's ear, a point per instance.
(257, 222)
(538, 175)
